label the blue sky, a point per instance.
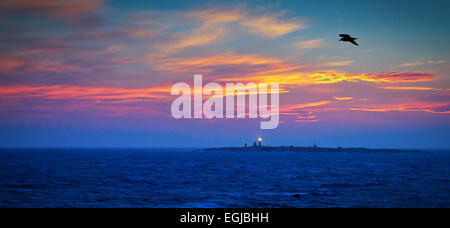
(97, 73)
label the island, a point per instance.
(258, 147)
(306, 149)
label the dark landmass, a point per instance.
(306, 149)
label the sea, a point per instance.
(186, 178)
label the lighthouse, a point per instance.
(259, 141)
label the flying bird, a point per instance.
(348, 38)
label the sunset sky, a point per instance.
(98, 73)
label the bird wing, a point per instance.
(354, 42)
(344, 35)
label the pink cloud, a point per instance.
(54, 7)
(8, 65)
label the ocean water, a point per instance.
(183, 178)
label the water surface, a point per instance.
(183, 178)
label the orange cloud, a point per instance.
(397, 77)
(411, 64)
(268, 25)
(79, 92)
(197, 37)
(217, 16)
(110, 100)
(339, 64)
(443, 108)
(410, 88)
(291, 108)
(343, 98)
(306, 117)
(271, 25)
(308, 44)
(188, 64)
(430, 62)
(114, 94)
(333, 77)
(305, 78)
(214, 25)
(211, 29)
(306, 121)
(204, 35)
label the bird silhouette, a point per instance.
(348, 38)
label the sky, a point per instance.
(98, 73)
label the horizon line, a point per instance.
(200, 147)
